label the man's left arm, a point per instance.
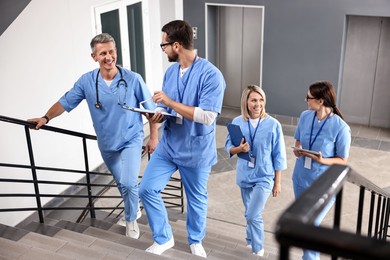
(153, 138)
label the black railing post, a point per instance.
(378, 213)
(385, 229)
(181, 197)
(34, 174)
(360, 211)
(371, 217)
(284, 252)
(88, 179)
(337, 210)
(382, 219)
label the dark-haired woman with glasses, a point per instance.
(322, 129)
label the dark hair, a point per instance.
(324, 90)
(179, 31)
(101, 38)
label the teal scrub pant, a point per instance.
(310, 254)
(156, 176)
(125, 166)
(254, 199)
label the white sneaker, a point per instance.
(260, 253)
(132, 229)
(122, 220)
(197, 249)
(159, 249)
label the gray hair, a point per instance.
(101, 38)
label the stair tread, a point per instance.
(12, 233)
(42, 228)
(41, 241)
(11, 249)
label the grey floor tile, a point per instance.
(366, 143)
(369, 132)
(384, 134)
(384, 146)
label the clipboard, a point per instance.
(150, 112)
(236, 136)
(305, 150)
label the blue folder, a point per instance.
(236, 137)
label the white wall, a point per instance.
(45, 50)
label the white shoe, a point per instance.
(260, 253)
(159, 249)
(132, 229)
(122, 220)
(197, 249)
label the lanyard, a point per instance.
(254, 134)
(311, 131)
(184, 82)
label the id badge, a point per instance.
(252, 162)
(179, 119)
(307, 162)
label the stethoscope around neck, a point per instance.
(98, 104)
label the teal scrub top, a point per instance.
(333, 140)
(192, 144)
(268, 148)
(115, 127)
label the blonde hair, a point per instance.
(244, 101)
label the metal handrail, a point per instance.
(87, 183)
(295, 227)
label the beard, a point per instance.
(173, 58)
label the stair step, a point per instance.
(11, 249)
(42, 228)
(75, 238)
(12, 233)
(142, 243)
(43, 242)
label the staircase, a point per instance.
(101, 238)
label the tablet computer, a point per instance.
(150, 112)
(305, 150)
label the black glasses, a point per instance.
(308, 98)
(163, 45)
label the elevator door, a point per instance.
(365, 91)
(234, 45)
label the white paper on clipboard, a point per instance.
(150, 112)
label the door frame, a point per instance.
(207, 5)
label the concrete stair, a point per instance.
(103, 239)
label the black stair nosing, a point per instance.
(42, 228)
(12, 233)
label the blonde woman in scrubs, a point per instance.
(259, 177)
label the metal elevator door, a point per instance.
(365, 91)
(235, 47)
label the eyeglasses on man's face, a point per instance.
(164, 45)
(307, 98)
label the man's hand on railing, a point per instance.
(39, 122)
